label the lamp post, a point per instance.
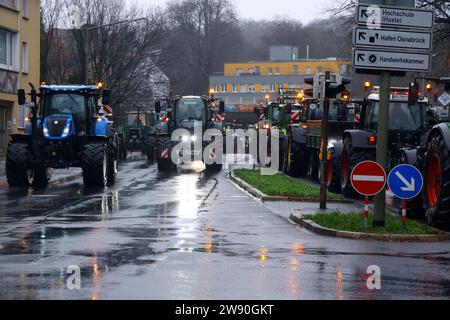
(87, 29)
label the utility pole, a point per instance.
(382, 139)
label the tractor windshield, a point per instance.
(402, 117)
(190, 110)
(134, 121)
(63, 103)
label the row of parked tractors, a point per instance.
(416, 136)
(68, 127)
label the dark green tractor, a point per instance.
(138, 133)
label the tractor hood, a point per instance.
(58, 126)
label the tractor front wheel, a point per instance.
(95, 164)
(17, 158)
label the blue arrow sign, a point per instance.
(405, 181)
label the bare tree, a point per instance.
(122, 53)
(204, 34)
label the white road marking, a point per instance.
(368, 178)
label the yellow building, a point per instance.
(246, 83)
(19, 60)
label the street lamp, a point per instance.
(74, 14)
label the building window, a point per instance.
(238, 72)
(224, 88)
(26, 8)
(251, 71)
(296, 70)
(264, 88)
(9, 3)
(243, 88)
(343, 68)
(319, 69)
(308, 70)
(251, 88)
(280, 86)
(258, 70)
(270, 71)
(24, 57)
(8, 51)
(277, 71)
(272, 88)
(235, 87)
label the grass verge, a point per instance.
(354, 222)
(281, 185)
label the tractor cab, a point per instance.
(407, 122)
(68, 111)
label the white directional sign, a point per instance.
(377, 16)
(444, 99)
(391, 60)
(389, 38)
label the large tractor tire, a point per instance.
(17, 164)
(95, 164)
(351, 157)
(40, 177)
(313, 168)
(334, 172)
(164, 149)
(436, 192)
(414, 207)
(151, 149)
(213, 168)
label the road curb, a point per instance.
(266, 198)
(314, 227)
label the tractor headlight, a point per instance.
(194, 138)
(185, 139)
(66, 131)
(46, 132)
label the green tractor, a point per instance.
(280, 116)
(138, 133)
(186, 114)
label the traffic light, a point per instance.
(414, 93)
(429, 87)
(345, 95)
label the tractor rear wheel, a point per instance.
(436, 195)
(350, 159)
(151, 149)
(95, 164)
(164, 149)
(334, 172)
(17, 158)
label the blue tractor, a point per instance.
(66, 128)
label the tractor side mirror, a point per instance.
(221, 107)
(106, 97)
(158, 107)
(21, 96)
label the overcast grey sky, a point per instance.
(304, 10)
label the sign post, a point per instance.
(392, 36)
(368, 179)
(406, 183)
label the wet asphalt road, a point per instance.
(190, 236)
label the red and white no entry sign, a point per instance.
(368, 178)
